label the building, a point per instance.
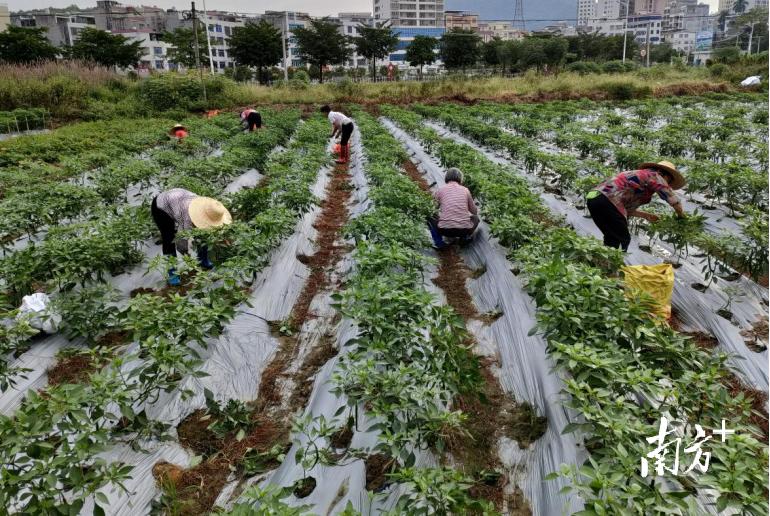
(114, 16)
(410, 13)
(285, 21)
(155, 49)
(727, 5)
(349, 25)
(682, 41)
(561, 28)
(586, 10)
(637, 25)
(642, 7)
(685, 16)
(461, 20)
(62, 28)
(5, 17)
(504, 30)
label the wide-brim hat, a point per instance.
(206, 212)
(678, 181)
(178, 126)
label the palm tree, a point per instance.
(721, 20)
(740, 5)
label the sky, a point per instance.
(542, 10)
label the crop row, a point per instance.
(746, 253)
(51, 442)
(410, 358)
(625, 369)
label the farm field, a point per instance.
(333, 362)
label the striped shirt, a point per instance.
(631, 189)
(455, 206)
(176, 203)
(338, 119)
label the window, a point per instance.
(350, 29)
(222, 65)
(220, 40)
(158, 51)
(221, 53)
(211, 27)
(159, 65)
(227, 30)
(219, 28)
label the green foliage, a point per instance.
(233, 416)
(25, 45)
(321, 44)
(257, 45)
(375, 43)
(106, 49)
(421, 51)
(437, 491)
(182, 41)
(460, 48)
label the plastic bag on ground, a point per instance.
(35, 307)
(751, 81)
(657, 281)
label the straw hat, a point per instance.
(206, 212)
(678, 181)
(177, 126)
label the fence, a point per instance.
(21, 121)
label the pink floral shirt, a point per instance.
(631, 189)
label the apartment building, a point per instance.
(586, 11)
(62, 29)
(155, 49)
(727, 5)
(285, 21)
(410, 13)
(637, 26)
(504, 30)
(5, 17)
(349, 26)
(461, 20)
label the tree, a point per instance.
(662, 53)
(555, 51)
(182, 41)
(490, 53)
(421, 51)
(106, 49)
(722, 20)
(257, 45)
(727, 55)
(321, 44)
(460, 48)
(25, 45)
(754, 26)
(375, 43)
(740, 5)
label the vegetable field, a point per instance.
(333, 362)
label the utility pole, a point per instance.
(198, 53)
(625, 29)
(208, 38)
(284, 43)
(751, 36)
(647, 53)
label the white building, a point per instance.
(682, 41)
(637, 25)
(5, 17)
(62, 29)
(410, 13)
(504, 30)
(561, 28)
(219, 28)
(727, 5)
(155, 50)
(285, 21)
(349, 25)
(586, 10)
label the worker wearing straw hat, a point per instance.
(177, 210)
(178, 131)
(613, 201)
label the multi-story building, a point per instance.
(112, 16)
(5, 17)
(349, 25)
(155, 49)
(727, 5)
(687, 16)
(410, 13)
(62, 29)
(682, 41)
(637, 26)
(586, 11)
(560, 28)
(642, 7)
(461, 20)
(285, 21)
(219, 27)
(504, 30)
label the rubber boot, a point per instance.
(343, 155)
(203, 259)
(438, 240)
(173, 278)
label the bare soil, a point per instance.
(377, 468)
(193, 433)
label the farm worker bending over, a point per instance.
(179, 131)
(342, 125)
(613, 201)
(251, 119)
(458, 216)
(178, 209)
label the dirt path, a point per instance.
(197, 488)
(492, 414)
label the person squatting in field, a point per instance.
(179, 132)
(343, 126)
(458, 216)
(612, 202)
(251, 119)
(178, 210)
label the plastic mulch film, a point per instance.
(525, 370)
(233, 361)
(696, 310)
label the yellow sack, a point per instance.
(657, 281)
